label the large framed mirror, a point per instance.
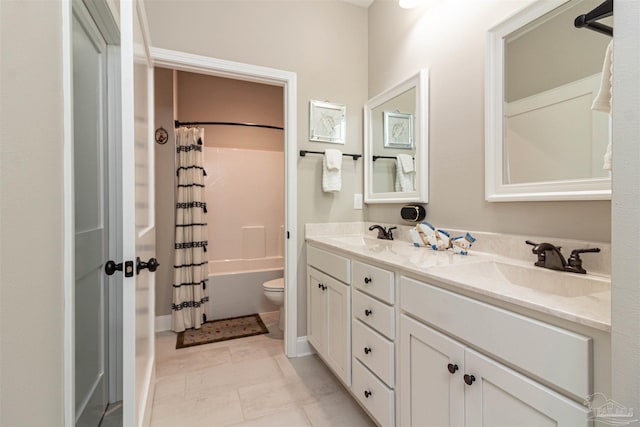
(396, 148)
(543, 140)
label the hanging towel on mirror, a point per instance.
(602, 102)
(332, 170)
(405, 171)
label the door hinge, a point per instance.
(287, 234)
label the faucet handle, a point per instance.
(575, 262)
(577, 252)
(390, 232)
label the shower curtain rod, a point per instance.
(178, 123)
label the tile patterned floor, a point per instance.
(248, 382)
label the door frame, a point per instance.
(183, 61)
(105, 14)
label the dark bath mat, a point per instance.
(222, 330)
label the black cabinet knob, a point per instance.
(367, 350)
(452, 368)
(368, 280)
(367, 393)
(368, 312)
(469, 379)
(319, 285)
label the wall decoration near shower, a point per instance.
(327, 122)
(190, 266)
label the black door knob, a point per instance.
(452, 368)
(152, 265)
(367, 393)
(469, 379)
(111, 267)
(368, 280)
(368, 312)
(367, 350)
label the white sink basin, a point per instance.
(496, 273)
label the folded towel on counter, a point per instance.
(405, 172)
(332, 170)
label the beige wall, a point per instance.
(448, 37)
(576, 54)
(324, 42)
(165, 204)
(625, 262)
(31, 221)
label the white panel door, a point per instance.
(499, 396)
(138, 228)
(431, 383)
(90, 208)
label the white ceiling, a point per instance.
(361, 3)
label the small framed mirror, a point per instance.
(543, 139)
(396, 164)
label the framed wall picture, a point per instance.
(327, 122)
(398, 130)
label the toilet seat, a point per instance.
(275, 285)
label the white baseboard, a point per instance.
(163, 323)
(303, 348)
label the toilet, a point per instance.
(274, 291)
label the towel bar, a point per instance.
(303, 153)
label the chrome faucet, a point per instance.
(383, 233)
(549, 256)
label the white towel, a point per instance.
(332, 170)
(407, 163)
(405, 171)
(603, 99)
(602, 102)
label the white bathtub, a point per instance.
(235, 286)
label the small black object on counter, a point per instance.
(413, 213)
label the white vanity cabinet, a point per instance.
(329, 309)
(446, 382)
(373, 334)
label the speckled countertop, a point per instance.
(583, 299)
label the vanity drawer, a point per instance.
(378, 400)
(332, 264)
(374, 350)
(374, 313)
(553, 354)
(374, 281)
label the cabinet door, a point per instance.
(500, 396)
(430, 395)
(338, 353)
(316, 310)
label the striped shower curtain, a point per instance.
(190, 267)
